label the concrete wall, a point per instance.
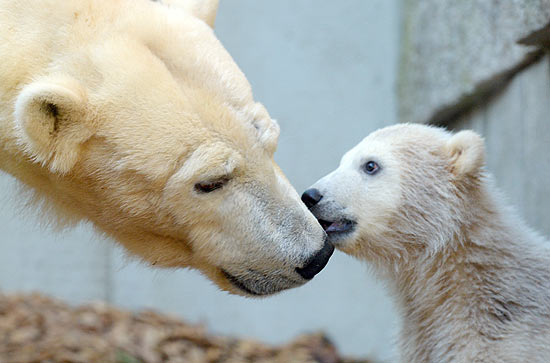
(326, 71)
(516, 127)
(453, 51)
(483, 64)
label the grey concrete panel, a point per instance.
(449, 48)
(535, 85)
(504, 142)
(72, 265)
(516, 128)
(325, 70)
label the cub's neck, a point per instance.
(474, 289)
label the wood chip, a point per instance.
(35, 328)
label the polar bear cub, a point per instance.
(472, 281)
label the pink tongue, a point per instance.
(335, 227)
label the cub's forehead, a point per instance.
(370, 147)
(388, 141)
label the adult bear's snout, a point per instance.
(317, 262)
(311, 197)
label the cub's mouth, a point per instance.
(339, 228)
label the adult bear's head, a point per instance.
(140, 121)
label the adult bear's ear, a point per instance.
(466, 152)
(203, 9)
(268, 132)
(51, 122)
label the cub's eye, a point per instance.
(210, 186)
(371, 167)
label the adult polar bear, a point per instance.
(131, 114)
(472, 281)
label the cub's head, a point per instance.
(402, 191)
(143, 124)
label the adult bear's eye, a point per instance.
(371, 167)
(210, 186)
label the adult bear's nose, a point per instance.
(311, 197)
(316, 262)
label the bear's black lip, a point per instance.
(325, 224)
(239, 284)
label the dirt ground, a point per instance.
(35, 328)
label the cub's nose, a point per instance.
(311, 197)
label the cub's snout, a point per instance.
(330, 215)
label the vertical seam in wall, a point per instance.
(108, 271)
(404, 7)
(485, 118)
(395, 55)
(542, 207)
(522, 127)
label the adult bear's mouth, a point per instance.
(255, 283)
(239, 284)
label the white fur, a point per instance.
(203, 9)
(472, 281)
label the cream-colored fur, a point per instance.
(118, 111)
(472, 281)
(204, 9)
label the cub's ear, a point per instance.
(51, 123)
(466, 152)
(203, 9)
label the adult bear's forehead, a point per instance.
(191, 52)
(119, 37)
